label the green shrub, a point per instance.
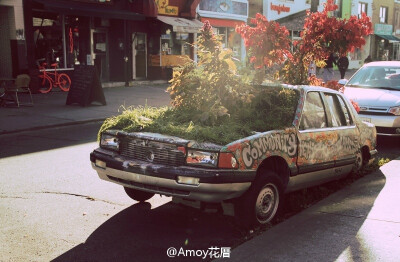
(210, 102)
(271, 108)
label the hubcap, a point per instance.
(267, 203)
(359, 161)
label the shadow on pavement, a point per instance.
(47, 139)
(342, 227)
(140, 233)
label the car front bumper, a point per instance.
(215, 185)
(386, 125)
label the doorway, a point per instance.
(99, 52)
(139, 56)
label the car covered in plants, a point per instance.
(315, 138)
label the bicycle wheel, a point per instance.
(45, 84)
(64, 82)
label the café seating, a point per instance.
(14, 93)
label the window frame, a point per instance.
(383, 14)
(303, 112)
(362, 8)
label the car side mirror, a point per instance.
(342, 82)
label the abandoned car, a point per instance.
(325, 141)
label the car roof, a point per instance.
(317, 88)
(306, 88)
(383, 63)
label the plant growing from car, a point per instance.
(210, 102)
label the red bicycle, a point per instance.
(47, 82)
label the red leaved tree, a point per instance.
(324, 34)
(268, 43)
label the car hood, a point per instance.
(373, 96)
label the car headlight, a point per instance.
(212, 159)
(202, 158)
(395, 110)
(109, 142)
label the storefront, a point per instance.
(170, 43)
(386, 45)
(224, 16)
(175, 42)
(86, 32)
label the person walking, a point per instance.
(328, 69)
(343, 64)
(312, 69)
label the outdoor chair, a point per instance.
(14, 93)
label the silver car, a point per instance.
(376, 89)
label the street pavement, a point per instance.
(359, 223)
(50, 110)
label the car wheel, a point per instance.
(262, 203)
(359, 161)
(138, 195)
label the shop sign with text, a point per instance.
(165, 9)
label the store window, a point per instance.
(175, 43)
(49, 40)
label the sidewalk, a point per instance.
(359, 223)
(50, 110)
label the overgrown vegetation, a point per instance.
(271, 108)
(210, 102)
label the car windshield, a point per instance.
(384, 77)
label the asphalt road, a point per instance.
(53, 206)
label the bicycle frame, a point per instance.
(50, 79)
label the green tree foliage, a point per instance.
(210, 102)
(211, 89)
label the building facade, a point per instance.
(12, 40)
(124, 40)
(224, 16)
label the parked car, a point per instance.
(376, 89)
(325, 141)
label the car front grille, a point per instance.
(151, 151)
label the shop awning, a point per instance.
(83, 9)
(389, 37)
(181, 25)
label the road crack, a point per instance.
(82, 196)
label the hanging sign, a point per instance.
(165, 9)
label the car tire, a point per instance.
(262, 203)
(138, 195)
(359, 161)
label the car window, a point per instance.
(346, 111)
(376, 77)
(313, 112)
(335, 108)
